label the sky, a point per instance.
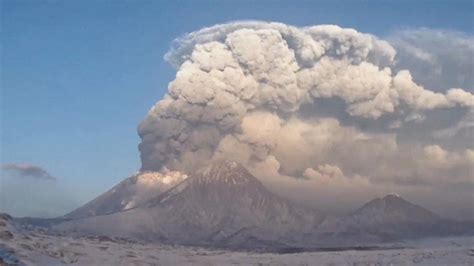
(77, 77)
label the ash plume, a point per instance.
(243, 90)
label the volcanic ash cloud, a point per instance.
(295, 102)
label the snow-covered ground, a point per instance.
(39, 248)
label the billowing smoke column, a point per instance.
(243, 91)
(315, 112)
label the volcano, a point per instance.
(221, 205)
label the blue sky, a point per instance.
(78, 76)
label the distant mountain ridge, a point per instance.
(223, 205)
(386, 219)
(392, 209)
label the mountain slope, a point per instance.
(224, 206)
(390, 218)
(132, 191)
(221, 205)
(392, 209)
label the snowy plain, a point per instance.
(39, 248)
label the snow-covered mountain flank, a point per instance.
(223, 205)
(131, 192)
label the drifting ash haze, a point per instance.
(317, 111)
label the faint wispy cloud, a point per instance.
(27, 170)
